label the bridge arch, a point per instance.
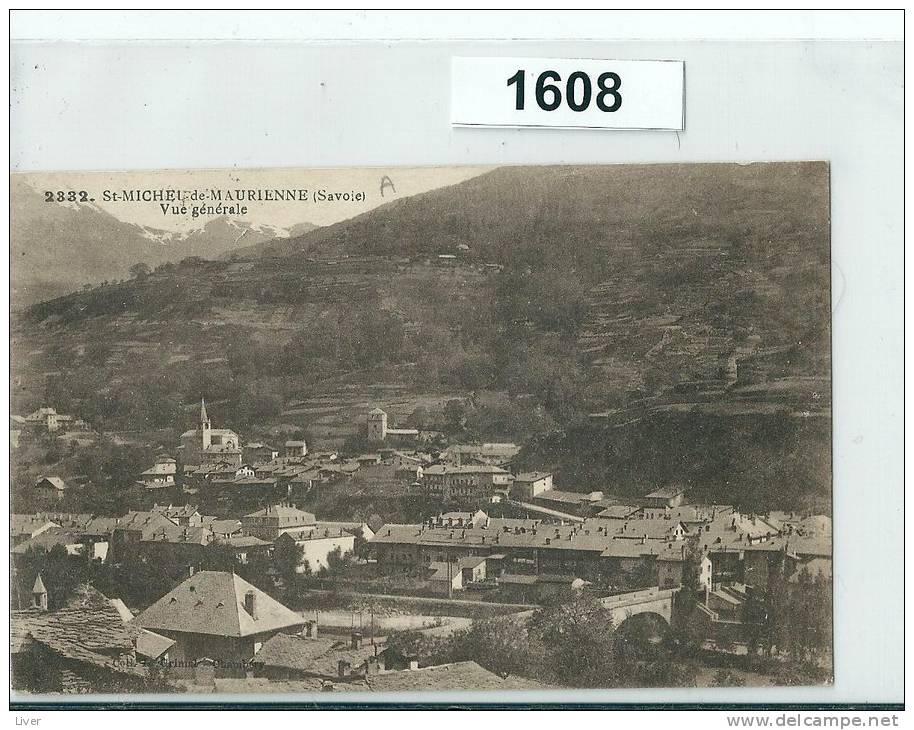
(641, 634)
(652, 600)
(645, 626)
(644, 617)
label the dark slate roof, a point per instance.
(172, 511)
(89, 619)
(353, 528)
(314, 532)
(327, 665)
(603, 536)
(532, 476)
(26, 524)
(212, 602)
(441, 469)
(459, 676)
(242, 541)
(46, 540)
(289, 651)
(317, 657)
(20, 631)
(222, 527)
(146, 522)
(190, 535)
(260, 685)
(55, 482)
(444, 677)
(618, 512)
(666, 492)
(74, 520)
(88, 629)
(285, 514)
(101, 525)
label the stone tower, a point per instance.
(377, 426)
(205, 426)
(39, 595)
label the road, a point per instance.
(343, 622)
(428, 599)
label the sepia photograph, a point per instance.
(341, 432)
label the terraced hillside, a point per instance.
(628, 292)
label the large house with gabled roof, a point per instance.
(219, 616)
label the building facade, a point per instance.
(207, 444)
(219, 617)
(528, 485)
(476, 483)
(316, 544)
(273, 520)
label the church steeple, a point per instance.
(206, 437)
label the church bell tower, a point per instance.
(205, 426)
(377, 426)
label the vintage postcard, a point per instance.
(402, 429)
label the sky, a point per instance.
(398, 182)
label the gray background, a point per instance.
(153, 105)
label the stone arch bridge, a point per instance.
(650, 600)
(623, 606)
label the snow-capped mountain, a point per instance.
(59, 247)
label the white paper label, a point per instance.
(568, 93)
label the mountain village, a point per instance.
(239, 586)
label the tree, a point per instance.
(686, 632)
(455, 415)
(428, 650)
(110, 468)
(790, 619)
(502, 645)
(419, 418)
(145, 581)
(218, 556)
(755, 621)
(360, 547)
(288, 557)
(60, 573)
(579, 647)
(336, 562)
(258, 571)
(806, 617)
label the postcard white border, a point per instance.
(206, 105)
